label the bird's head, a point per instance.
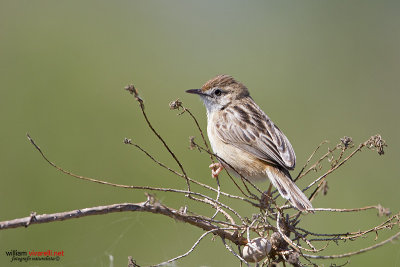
(220, 92)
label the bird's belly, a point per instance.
(237, 161)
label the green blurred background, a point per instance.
(319, 69)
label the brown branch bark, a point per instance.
(155, 208)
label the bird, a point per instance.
(247, 143)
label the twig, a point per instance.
(218, 195)
(156, 208)
(334, 168)
(392, 238)
(129, 186)
(219, 192)
(374, 142)
(190, 250)
(234, 253)
(134, 92)
(177, 104)
(381, 210)
(308, 161)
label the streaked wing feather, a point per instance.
(253, 132)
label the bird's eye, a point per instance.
(218, 92)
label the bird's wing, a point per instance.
(248, 128)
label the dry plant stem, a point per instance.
(377, 207)
(388, 224)
(134, 92)
(214, 204)
(302, 237)
(129, 142)
(104, 182)
(287, 239)
(237, 186)
(313, 167)
(200, 130)
(381, 210)
(384, 225)
(323, 177)
(190, 250)
(208, 150)
(218, 195)
(308, 161)
(390, 239)
(129, 186)
(156, 208)
(318, 162)
(178, 104)
(218, 191)
(234, 253)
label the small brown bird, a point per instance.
(243, 136)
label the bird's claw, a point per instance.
(216, 168)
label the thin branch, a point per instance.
(131, 89)
(218, 195)
(101, 181)
(131, 186)
(218, 191)
(334, 168)
(287, 239)
(191, 249)
(177, 104)
(308, 161)
(214, 204)
(390, 239)
(234, 253)
(374, 143)
(146, 206)
(381, 210)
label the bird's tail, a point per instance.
(287, 188)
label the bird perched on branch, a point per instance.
(247, 142)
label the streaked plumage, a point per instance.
(244, 137)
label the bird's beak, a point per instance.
(196, 91)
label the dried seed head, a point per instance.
(133, 91)
(377, 143)
(127, 141)
(175, 104)
(347, 141)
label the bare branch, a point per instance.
(177, 104)
(390, 239)
(134, 92)
(146, 206)
(234, 253)
(190, 250)
(308, 161)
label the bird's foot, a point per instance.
(216, 168)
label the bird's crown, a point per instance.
(226, 82)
